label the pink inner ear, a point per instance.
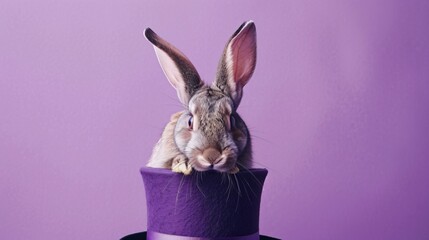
(243, 50)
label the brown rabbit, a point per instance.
(208, 133)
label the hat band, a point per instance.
(151, 235)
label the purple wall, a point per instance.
(338, 107)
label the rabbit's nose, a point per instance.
(211, 155)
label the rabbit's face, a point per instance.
(211, 134)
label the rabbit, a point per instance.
(208, 134)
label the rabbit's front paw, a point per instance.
(234, 170)
(180, 165)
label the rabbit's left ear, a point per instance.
(238, 62)
(178, 69)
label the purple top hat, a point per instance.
(203, 205)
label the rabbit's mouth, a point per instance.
(212, 159)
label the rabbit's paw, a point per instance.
(234, 170)
(180, 165)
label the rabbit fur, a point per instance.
(208, 134)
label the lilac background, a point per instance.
(338, 106)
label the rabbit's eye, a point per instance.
(232, 120)
(191, 122)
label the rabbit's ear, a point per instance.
(238, 62)
(176, 66)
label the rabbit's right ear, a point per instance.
(176, 66)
